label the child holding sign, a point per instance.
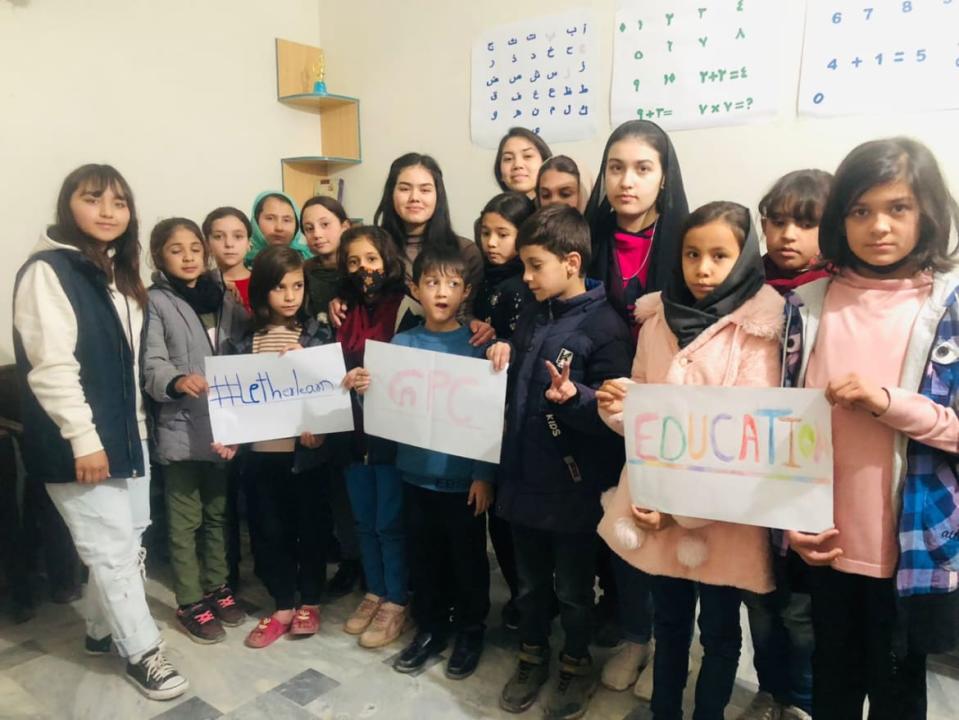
(716, 323)
(880, 336)
(557, 456)
(191, 317)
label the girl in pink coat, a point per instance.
(716, 323)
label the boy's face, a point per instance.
(441, 294)
(792, 245)
(547, 275)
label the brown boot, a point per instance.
(388, 624)
(363, 615)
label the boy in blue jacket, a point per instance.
(445, 497)
(558, 456)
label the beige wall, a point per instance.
(179, 95)
(409, 64)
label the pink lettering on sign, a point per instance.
(435, 391)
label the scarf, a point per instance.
(258, 240)
(367, 322)
(783, 282)
(204, 297)
(688, 317)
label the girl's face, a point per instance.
(558, 188)
(709, 253)
(183, 256)
(286, 298)
(498, 236)
(792, 245)
(363, 255)
(882, 227)
(414, 198)
(102, 215)
(322, 230)
(634, 177)
(519, 164)
(277, 221)
(229, 242)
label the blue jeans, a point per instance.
(635, 601)
(376, 494)
(721, 637)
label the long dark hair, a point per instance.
(124, 265)
(879, 162)
(163, 231)
(512, 206)
(393, 269)
(439, 228)
(520, 132)
(267, 272)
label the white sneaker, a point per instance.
(763, 707)
(791, 712)
(622, 669)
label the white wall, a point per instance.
(179, 95)
(409, 64)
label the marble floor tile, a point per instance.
(192, 708)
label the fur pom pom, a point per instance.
(628, 535)
(691, 550)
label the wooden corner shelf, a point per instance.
(339, 117)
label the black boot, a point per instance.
(424, 646)
(466, 653)
(532, 672)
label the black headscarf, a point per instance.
(688, 317)
(671, 205)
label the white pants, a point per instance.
(107, 521)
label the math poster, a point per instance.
(539, 74)
(756, 456)
(265, 396)
(686, 65)
(888, 56)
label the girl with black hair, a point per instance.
(518, 159)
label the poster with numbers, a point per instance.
(539, 74)
(879, 56)
(698, 64)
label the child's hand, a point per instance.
(92, 468)
(651, 520)
(290, 348)
(357, 379)
(193, 385)
(311, 441)
(337, 310)
(226, 452)
(610, 396)
(856, 393)
(482, 332)
(807, 546)
(481, 495)
(498, 354)
(233, 290)
(560, 389)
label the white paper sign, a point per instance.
(882, 56)
(756, 456)
(264, 396)
(696, 64)
(539, 74)
(433, 400)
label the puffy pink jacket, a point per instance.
(739, 349)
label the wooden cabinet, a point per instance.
(339, 121)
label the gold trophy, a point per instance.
(318, 72)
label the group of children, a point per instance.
(855, 295)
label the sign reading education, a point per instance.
(756, 456)
(265, 396)
(432, 400)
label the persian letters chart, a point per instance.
(702, 64)
(880, 56)
(539, 74)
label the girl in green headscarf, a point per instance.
(276, 221)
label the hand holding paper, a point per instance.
(807, 546)
(498, 354)
(610, 396)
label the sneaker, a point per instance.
(363, 615)
(200, 623)
(345, 579)
(223, 604)
(532, 672)
(155, 677)
(791, 712)
(387, 625)
(577, 682)
(511, 616)
(103, 646)
(622, 669)
(762, 707)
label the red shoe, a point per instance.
(306, 621)
(266, 632)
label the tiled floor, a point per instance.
(44, 674)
